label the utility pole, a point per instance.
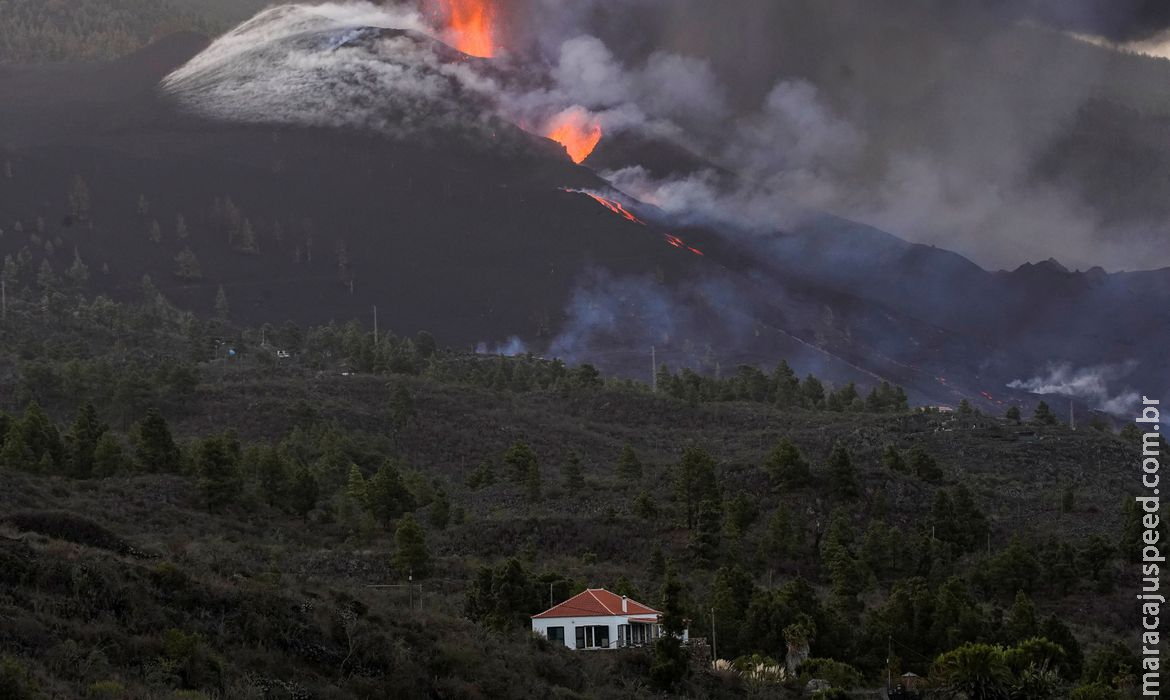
(3, 299)
(889, 661)
(377, 338)
(654, 369)
(714, 653)
(550, 596)
(1072, 415)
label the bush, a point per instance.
(15, 682)
(1095, 691)
(836, 673)
(105, 689)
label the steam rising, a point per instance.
(1090, 384)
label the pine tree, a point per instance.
(842, 474)
(16, 454)
(410, 542)
(440, 515)
(923, 465)
(82, 441)
(483, 475)
(42, 438)
(1044, 415)
(1021, 621)
(355, 497)
(400, 408)
(785, 386)
(705, 538)
(388, 495)
(108, 457)
(79, 199)
(812, 393)
(248, 241)
(273, 476)
(188, 267)
(571, 471)
(778, 538)
(222, 310)
(629, 467)
(217, 465)
(892, 459)
(156, 449)
(657, 566)
(154, 232)
(644, 506)
(741, 514)
(521, 459)
(696, 482)
(47, 280)
(78, 272)
(787, 466)
(671, 661)
(180, 228)
(304, 492)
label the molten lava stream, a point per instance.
(471, 26)
(576, 130)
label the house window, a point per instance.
(593, 637)
(556, 634)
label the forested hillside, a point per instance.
(285, 512)
(36, 31)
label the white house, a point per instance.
(598, 619)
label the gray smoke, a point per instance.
(923, 137)
(1090, 384)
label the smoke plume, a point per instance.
(1090, 384)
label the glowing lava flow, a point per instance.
(615, 207)
(620, 209)
(576, 130)
(471, 26)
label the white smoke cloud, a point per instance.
(1090, 384)
(514, 346)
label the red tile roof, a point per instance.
(597, 602)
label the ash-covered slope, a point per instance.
(333, 167)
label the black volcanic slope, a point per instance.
(478, 238)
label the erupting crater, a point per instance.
(470, 26)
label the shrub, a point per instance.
(15, 682)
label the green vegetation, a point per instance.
(322, 508)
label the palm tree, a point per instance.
(977, 671)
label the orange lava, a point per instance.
(616, 208)
(471, 26)
(620, 209)
(576, 130)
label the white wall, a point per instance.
(540, 626)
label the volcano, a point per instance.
(333, 167)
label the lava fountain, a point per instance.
(471, 26)
(575, 129)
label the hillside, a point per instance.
(481, 233)
(179, 561)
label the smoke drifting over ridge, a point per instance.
(896, 114)
(1090, 384)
